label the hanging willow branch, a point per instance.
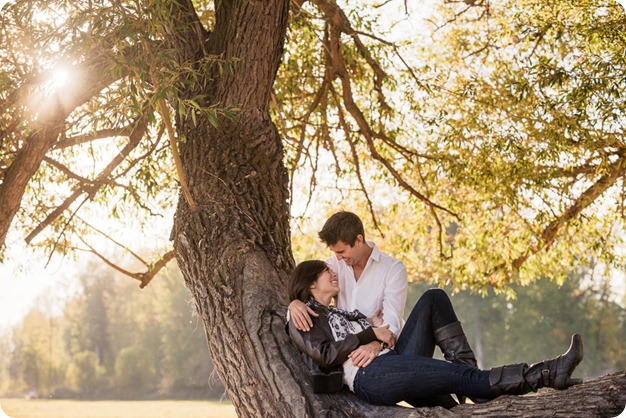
(614, 171)
(179, 165)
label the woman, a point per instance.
(405, 372)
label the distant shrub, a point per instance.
(134, 369)
(84, 374)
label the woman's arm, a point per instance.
(321, 347)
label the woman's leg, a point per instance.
(432, 311)
(433, 322)
(392, 378)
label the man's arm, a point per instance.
(394, 297)
(300, 314)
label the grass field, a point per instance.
(44, 408)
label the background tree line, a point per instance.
(111, 342)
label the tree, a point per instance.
(134, 370)
(345, 90)
(186, 365)
(84, 373)
(7, 385)
(38, 358)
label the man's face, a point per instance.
(350, 254)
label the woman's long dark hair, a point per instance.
(303, 276)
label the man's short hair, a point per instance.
(342, 226)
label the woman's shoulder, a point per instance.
(317, 307)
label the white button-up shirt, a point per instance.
(382, 285)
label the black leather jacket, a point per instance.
(323, 355)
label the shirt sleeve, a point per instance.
(394, 297)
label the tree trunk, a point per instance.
(235, 250)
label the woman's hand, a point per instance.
(301, 314)
(383, 334)
(365, 354)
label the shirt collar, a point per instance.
(375, 255)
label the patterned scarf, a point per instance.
(341, 322)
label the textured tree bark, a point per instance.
(235, 250)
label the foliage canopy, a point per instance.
(484, 140)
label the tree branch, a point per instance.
(44, 135)
(366, 130)
(357, 167)
(613, 172)
(177, 162)
(92, 136)
(134, 139)
(144, 277)
(107, 236)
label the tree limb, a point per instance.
(107, 236)
(44, 135)
(92, 136)
(134, 139)
(144, 277)
(613, 172)
(177, 162)
(366, 130)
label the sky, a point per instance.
(25, 277)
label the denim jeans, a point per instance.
(395, 377)
(409, 373)
(432, 311)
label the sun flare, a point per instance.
(60, 78)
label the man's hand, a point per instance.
(383, 334)
(301, 314)
(365, 354)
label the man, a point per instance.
(370, 281)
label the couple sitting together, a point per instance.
(347, 316)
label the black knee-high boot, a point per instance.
(455, 348)
(518, 379)
(454, 345)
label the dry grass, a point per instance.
(44, 408)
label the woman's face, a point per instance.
(326, 283)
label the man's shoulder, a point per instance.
(389, 260)
(336, 264)
(380, 255)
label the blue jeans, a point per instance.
(409, 373)
(432, 311)
(418, 380)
